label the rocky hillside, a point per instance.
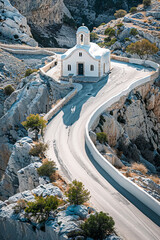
(130, 29)
(50, 21)
(132, 126)
(94, 12)
(53, 22)
(13, 25)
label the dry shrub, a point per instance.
(128, 174)
(140, 167)
(155, 179)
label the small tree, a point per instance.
(38, 149)
(102, 137)
(77, 194)
(142, 47)
(133, 10)
(120, 13)
(146, 3)
(8, 90)
(41, 208)
(133, 31)
(93, 36)
(35, 122)
(98, 226)
(29, 71)
(47, 169)
(109, 31)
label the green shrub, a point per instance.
(146, 3)
(47, 169)
(93, 36)
(110, 32)
(38, 149)
(102, 137)
(133, 31)
(29, 71)
(133, 10)
(98, 226)
(41, 208)
(35, 122)
(142, 47)
(120, 13)
(113, 40)
(119, 25)
(107, 39)
(77, 194)
(8, 90)
(127, 39)
(102, 24)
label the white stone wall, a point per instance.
(74, 59)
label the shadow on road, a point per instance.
(73, 109)
(143, 208)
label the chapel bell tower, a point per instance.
(83, 36)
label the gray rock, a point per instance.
(2, 204)
(149, 165)
(93, 136)
(14, 25)
(28, 177)
(19, 158)
(79, 210)
(138, 15)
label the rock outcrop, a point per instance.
(50, 21)
(35, 94)
(13, 25)
(133, 127)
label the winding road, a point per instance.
(65, 135)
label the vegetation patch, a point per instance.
(98, 226)
(29, 71)
(42, 207)
(93, 36)
(48, 168)
(133, 10)
(142, 47)
(140, 167)
(102, 137)
(38, 149)
(77, 194)
(8, 90)
(133, 31)
(109, 31)
(120, 13)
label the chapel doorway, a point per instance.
(80, 69)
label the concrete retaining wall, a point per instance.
(58, 106)
(131, 187)
(28, 51)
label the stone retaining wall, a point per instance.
(127, 184)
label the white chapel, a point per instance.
(85, 58)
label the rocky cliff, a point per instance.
(132, 126)
(50, 21)
(13, 25)
(53, 21)
(133, 27)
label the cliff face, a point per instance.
(53, 21)
(48, 20)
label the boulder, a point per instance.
(14, 25)
(112, 128)
(80, 210)
(138, 15)
(28, 177)
(19, 158)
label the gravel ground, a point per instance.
(13, 66)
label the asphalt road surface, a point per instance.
(65, 135)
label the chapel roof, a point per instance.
(93, 49)
(83, 29)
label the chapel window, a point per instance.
(92, 67)
(81, 38)
(69, 67)
(80, 54)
